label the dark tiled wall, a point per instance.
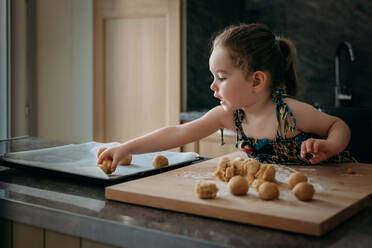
(315, 27)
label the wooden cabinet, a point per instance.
(27, 236)
(5, 233)
(15, 234)
(137, 61)
(60, 240)
(107, 70)
(211, 147)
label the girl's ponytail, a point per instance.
(288, 51)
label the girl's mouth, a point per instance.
(218, 97)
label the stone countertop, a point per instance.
(192, 115)
(78, 207)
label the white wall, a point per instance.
(82, 69)
(3, 72)
(65, 69)
(19, 84)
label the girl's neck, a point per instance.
(263, 105)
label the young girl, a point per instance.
(254, 77)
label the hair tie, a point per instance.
(277, 41)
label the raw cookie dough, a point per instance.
(206, 190)
(268, 191)
(257, 183)
(266, 172)
(225, 170)
(238, 161)
(240, 166)
(250, 178)
(238, 185)
(253, 166)
(160, 161)
(106, 166)
(304, 191)
(102, 149)
(126, 161)
(248, 168)
(229, 173)
(296, 178)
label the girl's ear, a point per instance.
(259, 80)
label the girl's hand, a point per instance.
(115, 154)
(321, 149)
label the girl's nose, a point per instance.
(213, 86)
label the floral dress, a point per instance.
(281, 150)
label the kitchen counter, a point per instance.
(79, 208)
(192, 115)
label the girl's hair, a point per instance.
(254, 47)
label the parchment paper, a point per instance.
(81, 159)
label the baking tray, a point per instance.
(80, 160)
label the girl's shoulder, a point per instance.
(221, 115)
(308, 118)
(299, 107)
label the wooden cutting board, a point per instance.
(338, 196)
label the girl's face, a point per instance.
(230, 84)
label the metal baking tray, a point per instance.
(81, 159)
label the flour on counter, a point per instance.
(283, 173)
(198, 175)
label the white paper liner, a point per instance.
(81, 159)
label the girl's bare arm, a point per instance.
(167, 137)
(335, 131)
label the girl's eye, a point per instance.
(221, 79)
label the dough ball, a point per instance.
(223, 163)
(126, 161)
(303, 191)
(239, 166)
(229, 173)
(106, 166)
(225, 170)
(206, 190)
(221, 168)
(220, 175)
(257, 183)
(160, 161)
(250, 178)
(350, 171)
(102, 149)
(296, 178)
(268, 191)
(252, 166)
(266, 172)
(238, 185)
(238, 161)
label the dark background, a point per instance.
(316, 28)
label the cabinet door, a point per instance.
(136, 67)
(210, 147)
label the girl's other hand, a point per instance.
(321, 149)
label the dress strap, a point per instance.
(283, 112)
(238, 119)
